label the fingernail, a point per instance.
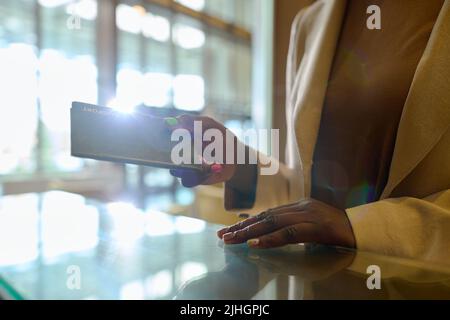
(244, 215)
(171, 121)
(228, 236)
(253, 242)
(216, 168)
(221, 232)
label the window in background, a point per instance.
(238, 12)
(144, 77)
(228, 68)
(45, 66)
(67, 72)
(129, 75)
(156, 62)
(173, 56)
(189, 83)
(176, 62)
(18, 65)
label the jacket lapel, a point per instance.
(309, 86)
(426, 114)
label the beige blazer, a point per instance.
(412, 219)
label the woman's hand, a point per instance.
(213, 173)
(308, 220)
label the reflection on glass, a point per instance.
(127, 221)
(132, 291)
(159, 285)
(71, 228)
(191, 269)
(18, 229)
(186, 225)
(158, 224)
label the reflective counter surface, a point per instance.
(58, 245)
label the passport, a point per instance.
(106, 134)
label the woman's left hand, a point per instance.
(304, 221)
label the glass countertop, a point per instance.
(58, 245)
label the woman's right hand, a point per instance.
(214, 172)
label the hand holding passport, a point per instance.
(138, 138)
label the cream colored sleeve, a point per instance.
(407, 227)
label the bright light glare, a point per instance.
(158, 224)
(133, 290)
(134, 88)
(198, 5)
(130, 85)
(128, 19)
(157, 89)
(159, 285)
(85, 9)
(156, 27)
(128, 223)
(63, 80)
(18, 94)
(191, 269)
(74, 228)
(186, 225)
(188, 37)
(120, 106)
(18, 229)
(189, 92)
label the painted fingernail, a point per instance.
(228, 236)
(171, 121)
(253, 242)
(216, 168)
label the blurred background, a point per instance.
(221, 58)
